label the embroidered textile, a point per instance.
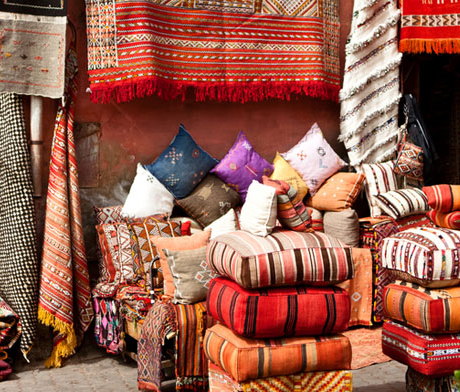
(240, 51)
(370, 94)
(35, 7)
(428, 26)
(65, 296)
(160, 321)
(33, 54)
(18, 252)
(108, 324)
(418, 382)
(331, 381)
(10, 328)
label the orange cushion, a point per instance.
(339, 192)
(194, 241)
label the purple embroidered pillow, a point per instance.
(241, 166)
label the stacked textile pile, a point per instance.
(264, 299)
(422, 306)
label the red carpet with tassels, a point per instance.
(247, 50)
(430, 26)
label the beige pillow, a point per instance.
(342, 225)
(193, 241)
(224, 224)
(190, 273)
(258, 214)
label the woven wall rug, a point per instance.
(246, 50)
(430, 26)
(32, 57)
(370, 94)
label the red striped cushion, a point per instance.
(283, 258)
(250, 312)
(444, 197)
(432, 355)
(291, 212)
(244, 358)
(449, 220)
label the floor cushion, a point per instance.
(427, 256)
(331, 381)
(443, 197)
(245, 358)
(283, 258)
(449, 220)
(432, 355)
(278, 311)
(429, 310)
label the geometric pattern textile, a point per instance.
(249, 312)
(285, 257)
(370, 94)
(108, 325)
(33, 54)
(418, 382)
(65, 296)
(233, 51)
(430, 27)
(332, 381)
(432, 355)
(160, 321)
(18, 251)
(10, 328)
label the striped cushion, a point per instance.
(432, 355)
(444, 197)
(380, 178)
(428, 256)
(332, 381)
(316, 216)
(402, 202)
(283, 258)
(429, 310)
(250, 312)
(244, 358)
(449, 220)
(291, 211)
(339, 192)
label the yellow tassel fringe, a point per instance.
(64, 348)
(438, 46)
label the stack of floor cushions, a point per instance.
(279, 312)
(422, 306)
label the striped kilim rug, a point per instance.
(243, 50)
(65, 296)
(430, 26)
(18, 250)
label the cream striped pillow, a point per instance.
(402, 202)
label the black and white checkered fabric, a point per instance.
(18, 248)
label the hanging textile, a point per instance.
(430, 26)
(65, 297)
(33, 47)
(247, 50)
(370, 94)
(18, 248)
(10, 328)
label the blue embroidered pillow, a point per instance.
(241, 165)
(182, 165)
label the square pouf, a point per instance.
(245, 359)
(428, 256)
(282, 258)
(278, 311)
(428, 310)
(331, 381)
(431, 355)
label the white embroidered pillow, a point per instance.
(147, 196)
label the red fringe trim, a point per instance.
(221, 92)
(438, 46)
